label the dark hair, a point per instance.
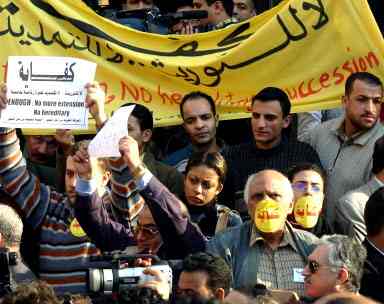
(197, 95)
(142, 114)
(374, 213)
(194, 300)
(181, 3)
(142, 295)
(219, 273)
(31, 293)
(378, 156)
(363, 76)
(270, 94)
(213, 160)
(305, 167)
(227, 4)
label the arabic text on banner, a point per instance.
(306, 47)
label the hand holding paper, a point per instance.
(95, 102)
(82, 162)
(106, 141)
(3, 96)
(65, 139)
(129, 149)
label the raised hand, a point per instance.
(82, 161)
(129, 150)
(95, 102)
(159, 282)
(65, 139)
(3, 96)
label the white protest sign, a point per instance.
(106, 141)
(47, 92)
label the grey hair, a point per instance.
(252, 177)
(348, 253)
(248, 186)
(11, 226)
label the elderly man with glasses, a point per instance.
(336, 265)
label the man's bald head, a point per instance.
(270, 184)
(268, 176)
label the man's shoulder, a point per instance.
(326, 128)
(233, 151)
(175, 157)
(297, 145)
(165, 168)
(355, 196)
(231, 235)
(306, 237)
(378, 130)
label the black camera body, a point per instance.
(6, 259)
(152, 20)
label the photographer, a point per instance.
(184, 27)
(137, 14)
(11, 228)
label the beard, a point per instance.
(361, 126)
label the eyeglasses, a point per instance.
(314, 266)
(147, 230)
(303, 186)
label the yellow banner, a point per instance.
(307, 48)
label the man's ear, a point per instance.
(342, 276)
(287, 121)
(1, 240)
(290, 208)
(219, 294)
(146, 135)
(344, 100)
(217, 118)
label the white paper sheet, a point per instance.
(47, 92)
(106, 141)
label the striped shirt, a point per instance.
(276, 267)
(64, 249)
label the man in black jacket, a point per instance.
(373, 278)
(270, 148)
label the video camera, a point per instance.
(119, 276)
(152, 20)
(6, 259)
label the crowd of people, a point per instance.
(255, 210)
(284, 217)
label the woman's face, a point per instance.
(201, 185)
(310, 183)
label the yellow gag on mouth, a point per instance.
(269, 216)
(307, 211)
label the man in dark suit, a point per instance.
(373, 278)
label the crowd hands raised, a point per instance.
(238, 224)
